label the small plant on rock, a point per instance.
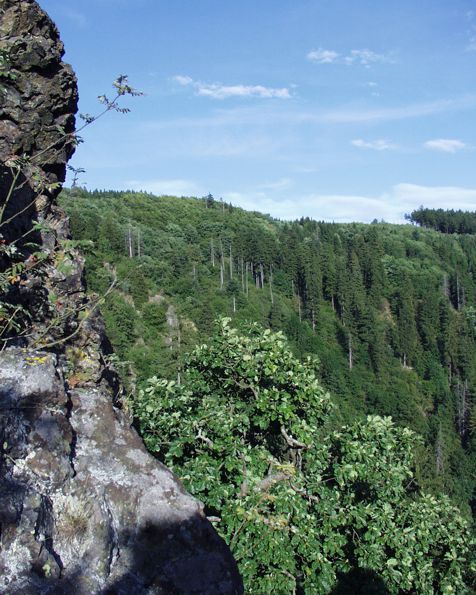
(26, 260)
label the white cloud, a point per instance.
(278, 185)
(445, 145)
(456, 197)
(390, 206)
(219, 91)
(183, 80)
(329, 207)
(222, 91)
(289, 115)
(364, 57)
(322, 56)
(376, 145)
(175, 187)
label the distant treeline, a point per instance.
(445, 221)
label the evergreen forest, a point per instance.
(381, 317)
(446, 221)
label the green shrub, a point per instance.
(248, 431)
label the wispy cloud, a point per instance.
(220, 91)
(183, 80)
(277, 185)
(375, 145)
(445, 145)
(176, 187)
(362, 57)
(367, 57)
(389, 206)
(322, 56)
(290, 115)
(405, 112)
(470, 18)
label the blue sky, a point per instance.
(344, 110)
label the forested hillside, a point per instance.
(446, 221)
(389, 310)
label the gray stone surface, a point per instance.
(82, 502)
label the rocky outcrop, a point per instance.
(38, 100)
(83, 507)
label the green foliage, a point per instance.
(446, 221)
(396, 301)
(120, 317)
(249, 431)
(6, 71)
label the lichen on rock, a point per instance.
(82, 499)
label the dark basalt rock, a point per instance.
(83, 507)
(38, 104)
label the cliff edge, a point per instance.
(83, 507)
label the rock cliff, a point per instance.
(83, 507)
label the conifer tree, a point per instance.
(407, 331)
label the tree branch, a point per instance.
(291, 442)
(203, 438)
(245, 386)
(304, 494)
(270, 480)
(244, 484)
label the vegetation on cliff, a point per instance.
(249, 431)
(388, 310)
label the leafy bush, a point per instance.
(249, 432)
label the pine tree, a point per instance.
(407, 331)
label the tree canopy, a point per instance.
(388, 309)
(445, 220)
(302, 502)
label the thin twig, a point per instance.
(10, 192)
(245, 386)
(18, 213)
(203, 438)
(304, 494)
